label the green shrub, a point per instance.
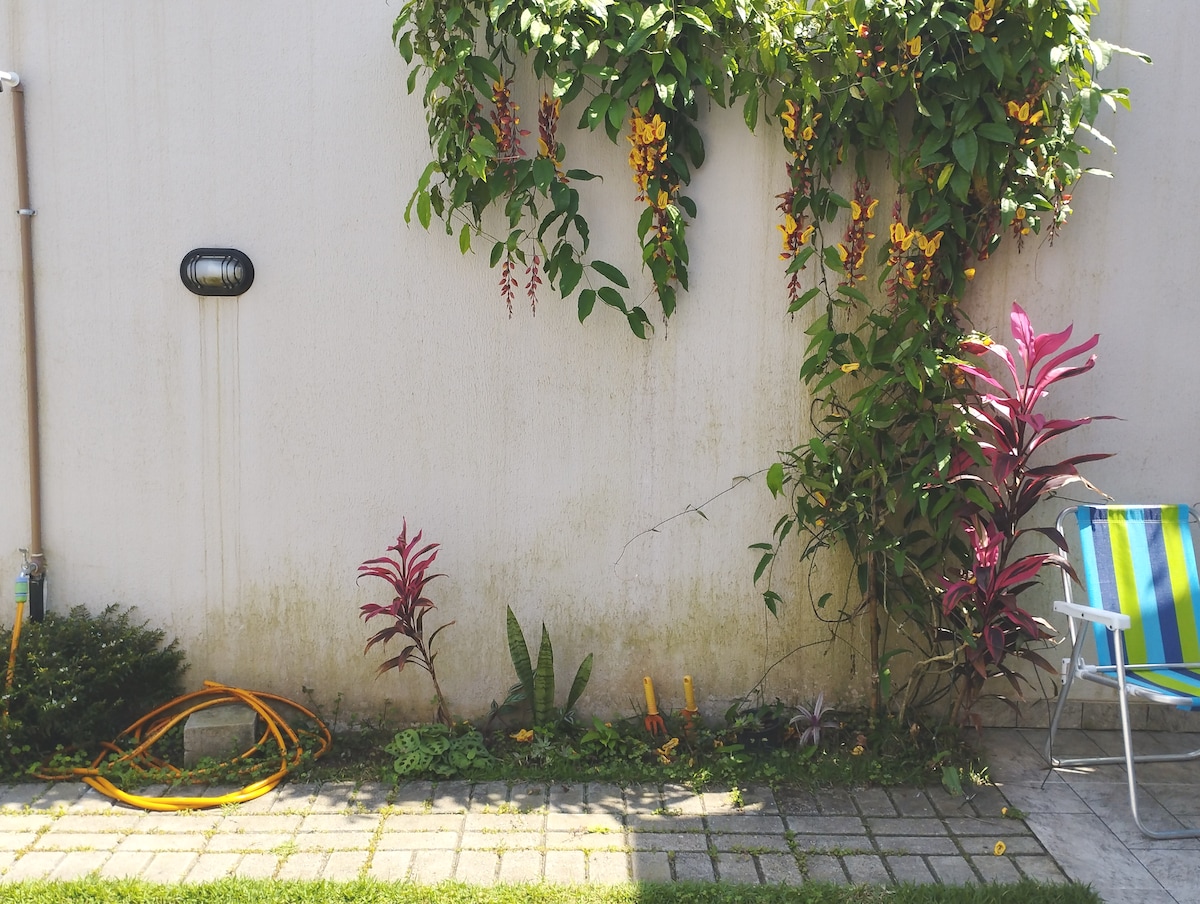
(81, 679)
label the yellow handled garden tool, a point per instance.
(654, 722)
(689, 711)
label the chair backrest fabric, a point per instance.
(1140, 561)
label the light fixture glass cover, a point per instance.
(216, 271)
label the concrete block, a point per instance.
(218, 732)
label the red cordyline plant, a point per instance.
(408, 575)
(982, 604)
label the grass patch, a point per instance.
(261, 891)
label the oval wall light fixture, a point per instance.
(216, 271)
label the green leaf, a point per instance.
(944, 176)
(424, 214)
(464, 239)
(587, 301)
(571, 271)
(611, 273)
(543, 682)
(582, 676)
(519, 653)
(612, 298)
(775, 479)
(965, 148)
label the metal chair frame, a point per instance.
(1116, 676)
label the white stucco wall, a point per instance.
(226, 464)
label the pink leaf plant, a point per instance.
(1002, 488)
(408, 575)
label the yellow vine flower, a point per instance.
(981, 15)
(524, 736)
(913, 46)
(857, 751)
(789, 119)
(851, 367)
(929, 245)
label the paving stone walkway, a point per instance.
(489, 832)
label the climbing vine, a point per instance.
(918, 134)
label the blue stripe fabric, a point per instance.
(1127, 568)
(1098, 576)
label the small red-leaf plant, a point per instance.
(408, 575)
(1002, 489)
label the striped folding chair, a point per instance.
(1139, 570)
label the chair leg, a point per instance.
(1130, 761)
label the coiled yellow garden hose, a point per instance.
(151, 727)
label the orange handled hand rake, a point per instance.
(654, 722)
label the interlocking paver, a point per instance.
(304, 865)
(210, 867)
(1042, 868)
(916, 844)
(416, 841)
(371, 796)
(649, 866)
(257, 866)
(913, 802)
(333, 841)
(18, 797)
(822, 868)
(565, 867)
(905, 825)
(488, 796)
(566, 799)
(16, 841)
(750, 823)
(65, 841)
(668, 841)
(490, 841)
(169, 866)
(952, 870)
(388, 865)
(451, 797)
(608, 867)
(874, 802)
(779, 869)
(340, 822)
(430, 822)
(866, 868)
(504, 822)
(477, 867)
(126, 864)
(78, 865)
(909, 868)
(657, 822)
(333, 797)
(432, 866)
(737, 868)
(411, 797)
(826, 825)
(173, 842)
(584, 822)
(520, 866)
(996, 869)
(692, 867)
(753, 844)
(832, 843)
(605, 798)
(342, 866)
(257, 824)
(247, 842)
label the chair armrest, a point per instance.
(1114, 621)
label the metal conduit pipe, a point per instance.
(37, 559)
